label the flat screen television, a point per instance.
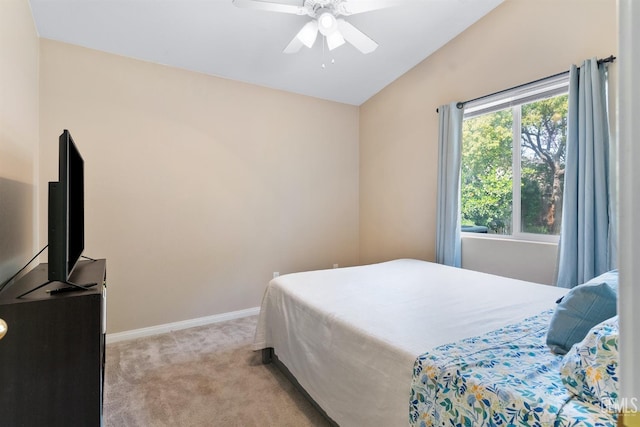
(66, 212)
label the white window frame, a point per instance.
(511, 98)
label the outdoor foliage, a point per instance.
(487, 172)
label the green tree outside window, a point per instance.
(488, 167)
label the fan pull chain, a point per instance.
(333, 61)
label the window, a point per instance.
(513, 153)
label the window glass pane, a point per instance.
(486, 173)
(542, 148)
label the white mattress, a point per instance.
(350, 336)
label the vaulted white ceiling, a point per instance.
(217, 38)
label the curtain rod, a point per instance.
(610, 58)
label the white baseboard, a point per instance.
(175, 326)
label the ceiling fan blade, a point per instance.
(351, 7)
(294, 46)
(306, 36)
(357, 38)
(271, 6)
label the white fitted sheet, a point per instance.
(350, 336)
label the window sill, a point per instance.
(541, 240)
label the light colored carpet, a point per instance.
(204, 376)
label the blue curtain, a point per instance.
(584, 250)
(448, 249)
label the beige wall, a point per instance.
(520, 41)
(198, 188)
(18, 135)
(532, 261)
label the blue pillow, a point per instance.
(582, 308)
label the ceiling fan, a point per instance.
(325, 20)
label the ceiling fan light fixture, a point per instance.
(335, 40)
(325, 19)
(327, 23)
(307, 35)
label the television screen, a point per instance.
(66, 211)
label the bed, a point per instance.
(506, 377)
(353, 337)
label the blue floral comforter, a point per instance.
(507, 377)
